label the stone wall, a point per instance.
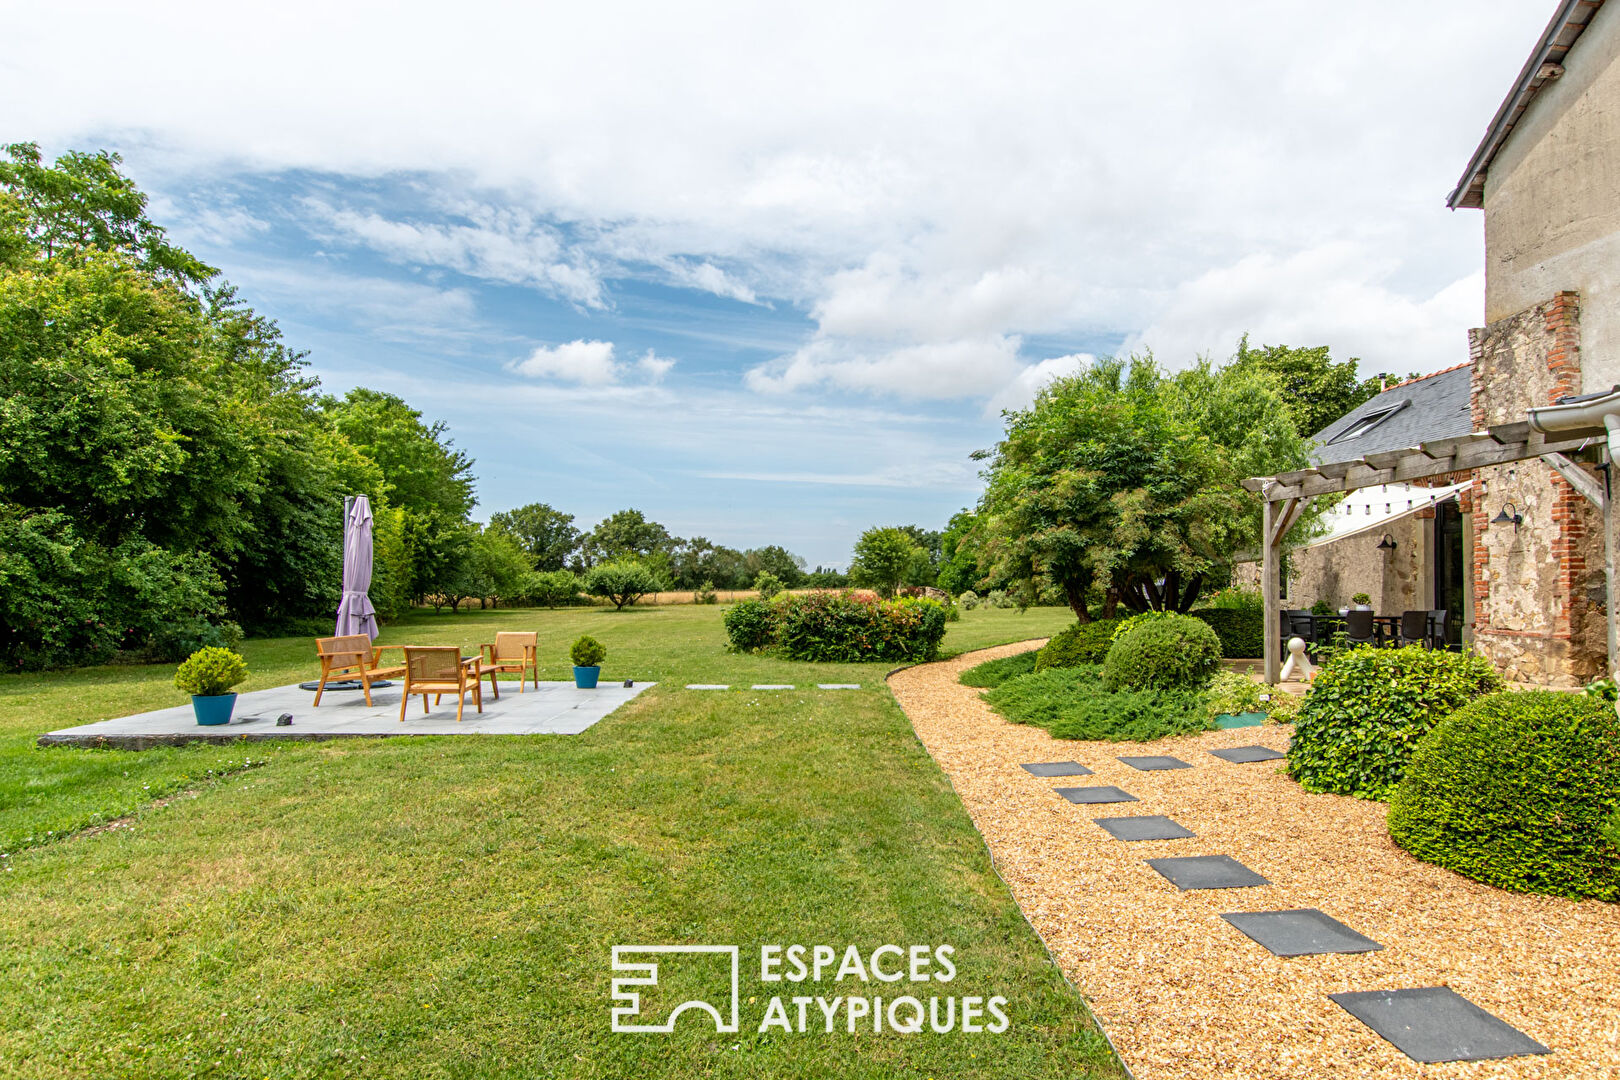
(1538, 587)
(1399, 580)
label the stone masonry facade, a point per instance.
(1538, 588)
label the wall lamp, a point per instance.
(1386, 544)
(1503, 517)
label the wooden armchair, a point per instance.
(440, 670)
(511, 652)
(352, 656)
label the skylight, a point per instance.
(1364, 424)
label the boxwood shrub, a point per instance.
(1175, 652)
(1081, 643)
(1368, 708)
(837, 627)
(1515, 790)
(1242, 631)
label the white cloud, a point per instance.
(1013, 175)
(947, 369)
(499, 244)
(1336, 294)
(589, 363)
(655, 366)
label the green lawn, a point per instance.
(446, 906)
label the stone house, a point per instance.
(1515, 547)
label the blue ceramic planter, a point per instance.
(585, 677)
(214, 709)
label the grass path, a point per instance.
(444, 907)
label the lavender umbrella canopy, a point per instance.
(355, 615)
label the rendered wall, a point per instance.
(1552, 201)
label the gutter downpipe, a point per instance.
(1601, 411)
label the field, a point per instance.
(447, 906)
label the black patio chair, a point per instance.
(1415, 628)
(1296, 622)
(1437, 628)
(1359, 628)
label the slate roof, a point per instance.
(1433, 407)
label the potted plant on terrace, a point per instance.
(587, 655)
(208, 675)
(1362, 601)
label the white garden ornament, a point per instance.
(1298, 663)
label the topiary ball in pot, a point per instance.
(587, 654)
(1515, 790)
(1174, 652)
(208, 675)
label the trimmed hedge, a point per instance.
(1175, 652)
(1367, 709)
(1514, 791)
(837, 627)
(1081, 643)
(1242, 631)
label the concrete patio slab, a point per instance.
(555, 708)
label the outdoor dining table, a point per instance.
(1319, 629)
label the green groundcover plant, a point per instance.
(1073, 703)
(1368, 708)
(995, 672)
(1516, 790)
(210, 672)
(837, 627)
(1170, 652)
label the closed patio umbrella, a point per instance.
(355, 615)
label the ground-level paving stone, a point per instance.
(1154, 762)
(1435, 1023)
(838, 686)
(1144, 827)
(1244, 754)
(1300, 932)
(1056, 768)
(771, 686)
(1098, 794)
(1179, 992)
(708, 686)
(1190, 872)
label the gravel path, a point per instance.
(1184, 994)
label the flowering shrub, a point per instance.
(838, 627)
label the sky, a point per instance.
(770, 272)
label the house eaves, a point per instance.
(1545, 64)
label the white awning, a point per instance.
(1375, 507)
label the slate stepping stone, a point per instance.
(1302, 932)
(1244, 754)
(1097, 794)
(1056, 768)
(1435, 1023)
(771, 686)
(1207, 872)
(1152, 763)
(707, 686)
(1145, 827)
(838, 686)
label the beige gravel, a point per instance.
(1184, 994)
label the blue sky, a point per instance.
(769, 274)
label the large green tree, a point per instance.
(1316, 389)
(882, 558)
(548, 535)
(1126, 480)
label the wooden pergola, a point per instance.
(1287, 494)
